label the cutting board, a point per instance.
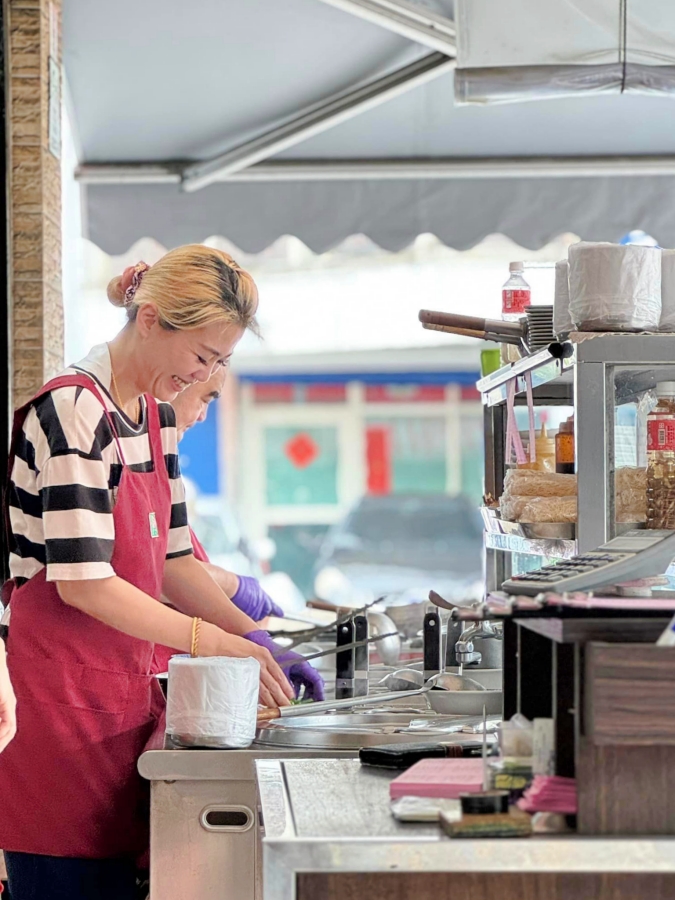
(446, 778)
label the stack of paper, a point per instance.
(447, 778)
(550, 793)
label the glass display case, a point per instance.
(609, 382)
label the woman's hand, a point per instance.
(7, 703)
(275, 689)
(300, 673)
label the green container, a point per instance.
(490, 361)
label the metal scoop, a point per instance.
(445, 681)
(403, 680)
(409, 680)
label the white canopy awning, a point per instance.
(325, 118)
(579, 47)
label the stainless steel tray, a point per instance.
(346, 731)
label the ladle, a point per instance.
(403, 680)
(445, 681)
(409, 679)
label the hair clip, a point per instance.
(131, 280)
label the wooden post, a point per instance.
(33, 97)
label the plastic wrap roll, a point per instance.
(562, 323)
(213, 701)
(667, 290)
(615, 287)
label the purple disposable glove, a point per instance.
(300, 673)
(252, 600)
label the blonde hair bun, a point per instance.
(191, 287)
(116, 292)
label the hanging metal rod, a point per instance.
(321, 117)
(413, 22)
(391, 169)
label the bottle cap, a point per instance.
(567, 427)
(516, 267)
(485, 803)
(665, 388)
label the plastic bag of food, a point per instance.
(631, 494)
(549, 509)
(528, 483)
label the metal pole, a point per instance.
(389, 170)
(414, 22)
(323, 116)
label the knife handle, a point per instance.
(432, 635)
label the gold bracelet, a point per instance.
(194, 645)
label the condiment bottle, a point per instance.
(661, 459)
(544, 451)
(564, 448)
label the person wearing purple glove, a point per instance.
(191, 407)
(300, 673)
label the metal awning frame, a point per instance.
(398, 16)
(413, 22)
(391, 169)
(325, 115)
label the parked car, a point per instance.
(403, 544)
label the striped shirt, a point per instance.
(66, 474)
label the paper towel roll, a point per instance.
(562, 323)
(615, 287)
(212, 701)
(667, 290)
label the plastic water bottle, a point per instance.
(516, 298)
(661, 459)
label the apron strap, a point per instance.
(20, 414)
(155, 434)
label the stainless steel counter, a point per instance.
(204, 835)
(204, 839)
(332, 816)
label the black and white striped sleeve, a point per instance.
(180, 541)
(73, 484)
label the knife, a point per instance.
(331, 650)
(431, 631)
(361, 655)
(344, 661)
(305, 637)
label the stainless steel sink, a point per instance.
(351, 731)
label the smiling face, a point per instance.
(191, 405)
(173, 360)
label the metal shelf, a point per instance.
(553, 364)
(513, 543)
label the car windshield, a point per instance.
(413, 519)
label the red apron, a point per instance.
(87, 699)
(199, 552)
(163, 654)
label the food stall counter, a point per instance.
(329, 833)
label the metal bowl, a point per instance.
(564, 531)
(465, 703)
(389, 648)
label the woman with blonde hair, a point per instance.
(98, 532)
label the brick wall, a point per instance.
(34, 203)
